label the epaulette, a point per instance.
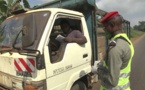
(112, 43)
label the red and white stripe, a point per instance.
(24, 64)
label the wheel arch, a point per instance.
(72, 81)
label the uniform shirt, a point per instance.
(117, 59)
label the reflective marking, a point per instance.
(22, 65)
(18, 67)
(25, 65)
(121, 87)
(124, 75)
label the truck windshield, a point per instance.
(11, 27)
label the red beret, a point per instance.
(109, 15)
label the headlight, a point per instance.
(37, 85)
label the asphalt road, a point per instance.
(137, 77)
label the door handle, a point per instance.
(85, 55)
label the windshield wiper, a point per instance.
(16, 40)
(22, 51)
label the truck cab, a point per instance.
(30, 55)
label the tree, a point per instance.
(3, 9)
(26, 4)
(8, 6)
(141, 26)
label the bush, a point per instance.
(135, 33)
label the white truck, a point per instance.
(30, 57)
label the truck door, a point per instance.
(65, 61)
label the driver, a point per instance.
(71, 35)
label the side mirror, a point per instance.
(28, 31)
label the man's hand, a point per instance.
(94, 69)
(96, 66)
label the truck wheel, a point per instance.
(79, 86)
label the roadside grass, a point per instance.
(135, 34)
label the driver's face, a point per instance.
(65, 28)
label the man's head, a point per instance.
(112, 22)
(65, 26)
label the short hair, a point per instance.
(117, 19)
(64, 21)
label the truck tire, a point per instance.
(79, 86)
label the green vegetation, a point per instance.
(8, 6)
(140, 26)
(135, 33)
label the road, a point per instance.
(137, 78)
(138, 65)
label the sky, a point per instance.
(131, 10)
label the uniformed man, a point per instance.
(115, 72)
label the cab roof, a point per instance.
(52, 10)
